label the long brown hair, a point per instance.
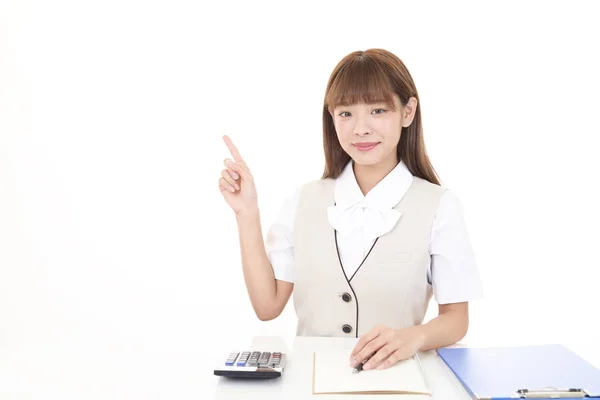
(374, 76)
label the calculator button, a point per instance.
(253, 359)
(243, 359)
(232, 357)
(264, 359)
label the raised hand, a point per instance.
(236, 183)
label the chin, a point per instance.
(365, 160)
(370, 159)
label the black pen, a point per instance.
(359, 367)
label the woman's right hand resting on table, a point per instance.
(267, 294)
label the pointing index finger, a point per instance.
(233, 150)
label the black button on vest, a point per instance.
(346, 297)
(347, 328)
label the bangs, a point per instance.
(361, 80)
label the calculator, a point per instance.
(252, 364)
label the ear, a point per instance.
(330, 111)
(408, 112)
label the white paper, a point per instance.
(333, 374)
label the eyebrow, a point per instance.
(369, 104)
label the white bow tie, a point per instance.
(374, 220)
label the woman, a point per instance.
(364, 248)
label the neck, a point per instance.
(367, 176)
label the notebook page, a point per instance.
(332, 374)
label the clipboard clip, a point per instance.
(552, 393)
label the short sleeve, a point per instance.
(279, 243)
(454, 273)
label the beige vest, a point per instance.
(390, 287)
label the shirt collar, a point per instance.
(385, 195)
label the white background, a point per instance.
(120, 272)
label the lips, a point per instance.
(365, 146)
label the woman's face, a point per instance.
(370, 133)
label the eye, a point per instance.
(344, 112)
(379, 109)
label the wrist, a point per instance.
(250, 214)
(419, 332)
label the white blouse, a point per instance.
(360, 219)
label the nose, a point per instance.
(361, 127)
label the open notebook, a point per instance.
(332, 374)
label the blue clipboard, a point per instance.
(528, 372)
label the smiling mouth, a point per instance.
(365, 146)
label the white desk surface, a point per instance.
(296, 381)
(175, 370)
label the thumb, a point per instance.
(242, 170)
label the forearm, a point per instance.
(258, 273)
(443, 330)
